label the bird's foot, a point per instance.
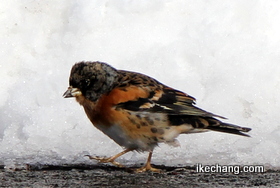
(105, 160)
(147, 168)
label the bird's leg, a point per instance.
(110, 159)
(147, 166)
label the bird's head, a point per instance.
(90, 79)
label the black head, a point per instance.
(92, 78)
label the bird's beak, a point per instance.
(72, 92)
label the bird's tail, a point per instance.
(201, 124)
(216, 125)
(230, 128)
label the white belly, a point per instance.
(116, 133)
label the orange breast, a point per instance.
(103, 111)
(138, 130)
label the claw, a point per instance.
(147, 168)
(105, 160)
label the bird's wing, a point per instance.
(158, 98)
(175, 102)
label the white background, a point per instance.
(225, 53)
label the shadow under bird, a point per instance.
(137, 111)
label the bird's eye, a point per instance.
(87, 81)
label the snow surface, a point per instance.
(225, 53)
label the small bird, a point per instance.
(137, 111)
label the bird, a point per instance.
(137, 111)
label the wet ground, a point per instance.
(108, 176)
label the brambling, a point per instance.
(137, 111)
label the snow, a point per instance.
(224, 53)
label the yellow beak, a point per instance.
(72, 92)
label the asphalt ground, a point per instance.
(110, 176)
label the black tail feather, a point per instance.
(208, 123)
(230, 128)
